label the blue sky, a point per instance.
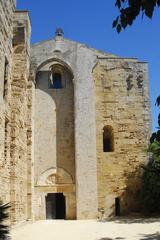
(90, 22)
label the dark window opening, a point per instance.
(19, 36)
(5, 85)
(107, 145)
(108, 139)
(5, 140)
(56, 81)
(117, 207)
(55, 206)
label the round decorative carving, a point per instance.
(51, 179)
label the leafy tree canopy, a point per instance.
(156, 135)
(130, 9)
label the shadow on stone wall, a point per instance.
(155, 236)
(63, 98)
(128, 203)
(131, 203)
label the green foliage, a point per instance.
(130, 9)
(150, 192)
(4, 231)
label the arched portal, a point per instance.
(54, 145)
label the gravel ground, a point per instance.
(115, 229)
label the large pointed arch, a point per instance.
(56, 61)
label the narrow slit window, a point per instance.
(117, 207)
(108, 139)
(56, 81)
(5, 85)
(5, 140)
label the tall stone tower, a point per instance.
(74, 123)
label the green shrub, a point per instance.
(150, 192)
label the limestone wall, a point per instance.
(19, 108)
(14, 68)
(30, 142)
(122, 102)
(7, 9)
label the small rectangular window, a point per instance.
(108, 139)
(55, 81)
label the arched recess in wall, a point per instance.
(54, 176)
(54, 118)
(108, 139)
(55, 61)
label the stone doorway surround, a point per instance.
(54, 180)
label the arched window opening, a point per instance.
(55, 81)
(108, 139)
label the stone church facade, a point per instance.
(74, 126)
